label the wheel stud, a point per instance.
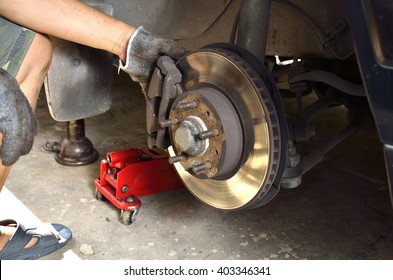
(176, 158)
(187, 105)
(169, 122)
(201, 168)
(208, 134)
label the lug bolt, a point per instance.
(169, 122)
(201, 168)
(187, 105)
(176, 158)
(208, 134)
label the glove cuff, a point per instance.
(125, 66)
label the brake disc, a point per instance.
(218, 112)
(227, 140)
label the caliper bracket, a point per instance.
(163, 89)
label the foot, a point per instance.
(20, 242)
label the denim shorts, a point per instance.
(15, 41)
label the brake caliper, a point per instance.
(195, 122)
(164, 87)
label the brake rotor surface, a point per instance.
(252, 175)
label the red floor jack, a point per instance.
(127, 174)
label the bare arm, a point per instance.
(70, 20)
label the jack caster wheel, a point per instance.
(128, 217)
(99, 196)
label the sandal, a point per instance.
(47, 241)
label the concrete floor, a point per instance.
(341, 210)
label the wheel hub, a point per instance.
(206, 134)
(187, 137)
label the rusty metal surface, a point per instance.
(291, 35)
(215, 144)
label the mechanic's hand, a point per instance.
(18, 124)
(143, 51)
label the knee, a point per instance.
(44, 59)
(37, 60)
(34, 67)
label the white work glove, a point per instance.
(18, 123)
(143, 51)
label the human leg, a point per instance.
(30, 77)
(34, 68)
